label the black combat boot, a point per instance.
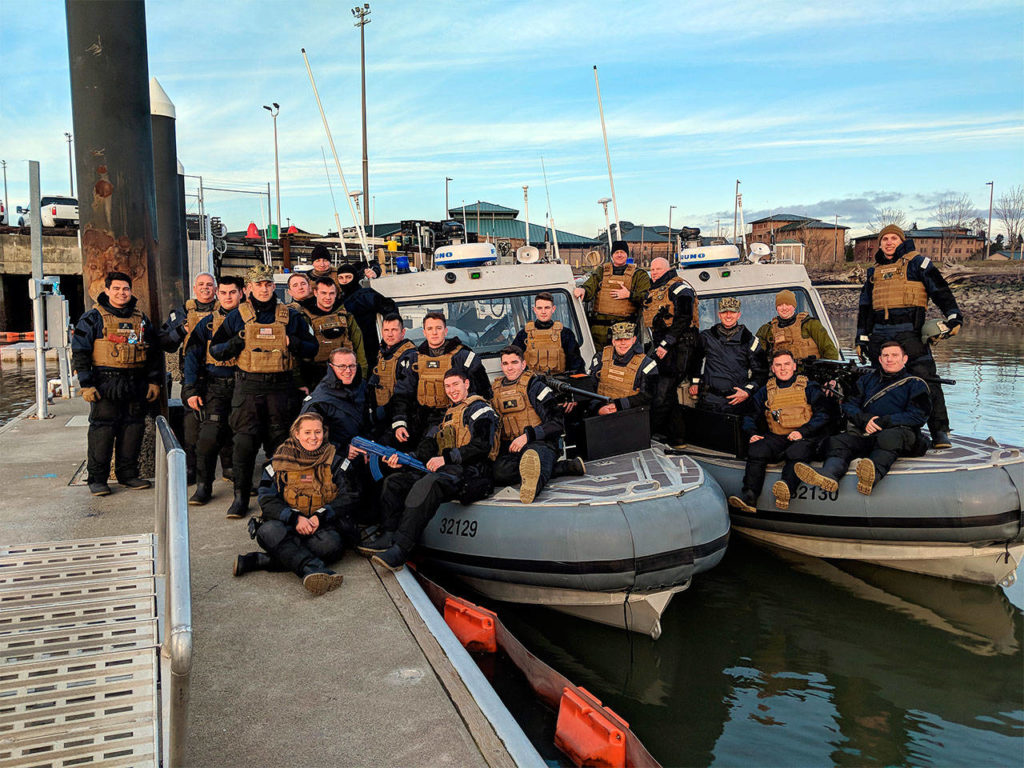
(253, 561)
(202, 495)
(318, 579)
(573, 467)
(393, 558)
(379, 542)
(746, 502)
(240, 506)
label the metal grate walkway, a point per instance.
(79, 653)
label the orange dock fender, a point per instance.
(473, 625)
(588, 733)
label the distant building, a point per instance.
(937, 243)
(801, 239)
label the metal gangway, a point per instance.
(96, 640)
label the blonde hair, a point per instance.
(310, 416)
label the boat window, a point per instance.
(756, 307)
(486, 324)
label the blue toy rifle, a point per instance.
(376, 452)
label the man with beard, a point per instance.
(671, 312)
(893, 304)
(732, 360)
(267, 338)
(207, 388)
(617, 289)
(119, 369)
(420, 398)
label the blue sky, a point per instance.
(820, 109)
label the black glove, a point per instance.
(235, 346)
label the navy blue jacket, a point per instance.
(545, 403)
(365, 304)
(646, 380)
(90, 328)
(227, 344)
(757, 423)
(920, 269)
(196, 368)
(730, 360)
(343, 408)
(482, 421)
(272, 503)
(905, 402)
(573, 358)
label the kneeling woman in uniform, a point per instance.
(304, 523)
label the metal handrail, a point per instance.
(172, 562)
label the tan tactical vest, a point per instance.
(386, 371)
(662, 297)
(892, 290)
(787, 409)
(321, 323)
(617, 380)
(121, 344)
(513, 406)
(792, 338)
(194, 316)
(605, 304)
(544, 353)
(307, 488)
(266, 346)
(218, 321)
(455, 433)
(430, 371)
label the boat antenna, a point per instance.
(608, 157)
(337, 163)
(551, 215)
(526, 202)
(337, 220)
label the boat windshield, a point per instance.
(756, 307)
(486, 323)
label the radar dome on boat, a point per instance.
(465, 255)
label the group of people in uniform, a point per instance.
(296, 379)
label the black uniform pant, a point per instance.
(882, 448)
(214, 433)
(115, 430)
(713, 401)
(774, 448)
(506, 466)
(408, 501)
(311, 372)
(261, 412)
(294, 552)
(919, 363)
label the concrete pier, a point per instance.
(279, 677)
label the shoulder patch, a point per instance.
(546, 392)
(270, 469)
(485, 409)
(649, 367)
(470, 358)
(755, 345)
(679, 288)
(925, 262)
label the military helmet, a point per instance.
(934, 330)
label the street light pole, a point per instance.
(71, 175)
(277, 173)
(447, 180)
(988, 232)
(361, 15)
(7, 204)
(603, 202)
(669, 254)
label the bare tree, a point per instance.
(953, 213)
(1010, 210)
(883, 217)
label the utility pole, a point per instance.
(735, 204)
(7, 203)
(71, 173)
(988, 232)
(835, 242)
(274, 111)
(669, 254)
(362, 20)
(447, 181)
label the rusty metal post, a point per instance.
(169, 265)
(114, 146)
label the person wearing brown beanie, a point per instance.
(798, 332)
(894, 306)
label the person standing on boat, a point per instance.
(321, 259)
(420, 397)
(393, 362)
(624, 373)
(530, 427)
(303, 525)
(334, 328)
(208, 386)
(617, 289)
(173, 336)
(800, 333)
(670, 311)
(548, 346)
(733, 362)
(266, 338)
(119, 367)
(459, 454)
(893, 305)
(364, 304)
(788, 420)
(885, 418)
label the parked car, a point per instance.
(55, 212)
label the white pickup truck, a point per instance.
(55, 211)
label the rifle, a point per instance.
(564, 388)
(846, 374)
(376, 452)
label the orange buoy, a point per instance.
(589, 733)
(473, 625)
(252, 233)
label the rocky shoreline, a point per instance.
(984, 300)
